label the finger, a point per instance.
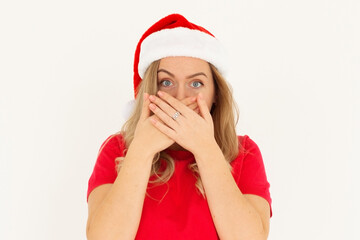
(204, 110)
(163, 128)
(165, 107)
(189, 100)
(165, 118)
(175, 104)
(145, 111)
(193, 106)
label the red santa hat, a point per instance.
(174, 36)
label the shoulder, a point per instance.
(114, 143)
(246, 144)
(104, 171)
(247, 147)
(249, 157)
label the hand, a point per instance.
(193, 131)
(147, 136)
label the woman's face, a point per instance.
(184, 77)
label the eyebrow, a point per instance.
(190, 76)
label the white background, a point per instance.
(66, 75)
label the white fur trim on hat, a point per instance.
(183, 42)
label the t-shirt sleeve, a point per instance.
(105, 168)
(251, 176)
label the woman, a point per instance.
(177, 170)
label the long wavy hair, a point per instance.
(223, 114)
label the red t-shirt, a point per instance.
(176, 210)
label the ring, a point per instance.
(176, 115)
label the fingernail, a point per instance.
(152, 98)
(160, 93)
(152, 106)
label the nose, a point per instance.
(182, 92)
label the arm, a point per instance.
(115, 209)
(110, 213)
(235, 215)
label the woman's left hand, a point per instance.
(192, 131)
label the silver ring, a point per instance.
(176, 115)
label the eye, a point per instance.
(165, 83)
(196, 84)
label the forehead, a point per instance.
(184, 65)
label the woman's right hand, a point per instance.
(149, 138)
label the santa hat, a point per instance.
(174, 36)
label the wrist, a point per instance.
(138, 150)
(207, 150)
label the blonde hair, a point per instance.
(223, 118)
